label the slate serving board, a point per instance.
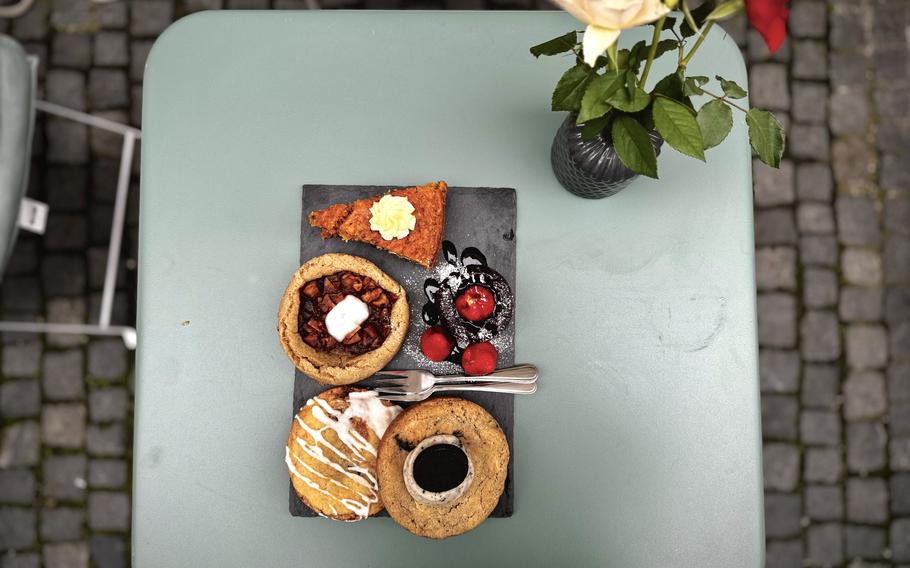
(481, 217)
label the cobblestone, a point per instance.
(773, 186)
(865, 542)
(820, 386)
(897, 304)
(21, 444)
(849, 111)
(823, 465)
(864, 395)
(20, 399)
(779, 416)
(782, 514)
(108, 551)
(808, 19)
(900, 540)
(17, 486)
(17, 528)
(777, 320)
(66, 310)
(824, 503)
(862, 267)
(819, 427)
(815, 218)
(769, 87)
(105, 441)
(825, 544)
(814, 182)
(109, 511)
(897, 260)
(857, 221)
(149, 18)
(810, 60)
(111, 49)
(63, 425)
(63, 523)
(900, 454)
(21, 359)
(107, 359)
(867, 500)
(809, 142)
(112, 404)
(820, 336)
(779, 371)
(861, 304)
(108, 88)
(784, 553)
(107, 473)
(819, 288)
(810, 102)
(781, 465)
(66, 87)
(62, 378)
(866, 447)
(63, 275)
(775, 227)
(71, 50)
(63, 477)
(66, 142)
(853, 161)
(900, 493)
(775, 268)
(867, 346)
(65, 555)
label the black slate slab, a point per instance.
(480, 217)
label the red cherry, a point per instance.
(476, 303)
(436, 344)
(479, 358)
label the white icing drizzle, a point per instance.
(365, 406)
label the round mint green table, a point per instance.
(642, 446)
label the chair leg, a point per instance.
(104, 327)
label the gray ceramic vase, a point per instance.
(590, 169)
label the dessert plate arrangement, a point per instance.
(418, 278)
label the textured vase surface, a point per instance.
(590, 169)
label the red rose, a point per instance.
(770, 19)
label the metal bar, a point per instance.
(113, 252)
(75, 328)
(16, 10)
(85, 118)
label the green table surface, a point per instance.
(642, 446)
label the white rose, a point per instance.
(606, 18)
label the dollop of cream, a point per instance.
(393, 217)
(346, 316)
(367, 406)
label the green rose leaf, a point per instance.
(726, 10)
(571, 87)
(766, 136)
(731, 89)
(631, 99)
(593, 127)
(692, 85)
(594, 102)
(715, 119)
(678, 126)
(633, 146)
(556, 45)
(669, 22)
(698, 17)
(664, 46)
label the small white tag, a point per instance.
(33, 215)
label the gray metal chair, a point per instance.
(18, 106)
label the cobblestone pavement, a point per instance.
(833, 277)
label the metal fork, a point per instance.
(509, 388)
(417, 380)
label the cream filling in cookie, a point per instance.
(363, 405)
(438, 470)
(346, 316)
